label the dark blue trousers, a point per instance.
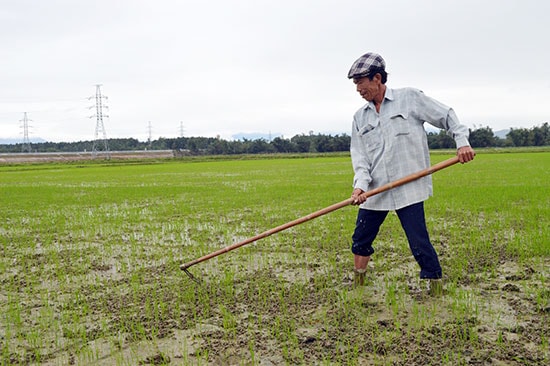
(413, 222)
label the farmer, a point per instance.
(388, 142)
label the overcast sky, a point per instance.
(224, 67)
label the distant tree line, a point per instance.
(484, 137)
(320, 143)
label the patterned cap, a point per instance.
(362, 66)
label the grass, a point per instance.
(90, 255)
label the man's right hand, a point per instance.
(465, 154)
(357, 198)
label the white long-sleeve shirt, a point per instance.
(392, 144)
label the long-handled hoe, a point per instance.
(399, 182)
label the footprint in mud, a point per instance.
(510, 288)
(158, 359)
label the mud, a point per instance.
(263, 307)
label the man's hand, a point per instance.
(356, 195)
(465, 154)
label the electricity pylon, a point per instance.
(26, 146)
(182, 129)
(100, 137)
(149, 139)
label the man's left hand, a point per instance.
(465, 154)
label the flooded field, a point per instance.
(90, 256)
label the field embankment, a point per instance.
(57, 157)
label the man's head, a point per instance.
(369, 75)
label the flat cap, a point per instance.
(364, 64)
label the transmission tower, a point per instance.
(100, 137)
(26, 146)
(182, 129)
(149, 140)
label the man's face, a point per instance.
(368, 88)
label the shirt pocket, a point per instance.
(371, 138)
(366, 129)
(400, 124)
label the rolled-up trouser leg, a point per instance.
(366, 228)
(413, 222)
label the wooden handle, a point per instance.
(324, 211)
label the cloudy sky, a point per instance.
(223, 67)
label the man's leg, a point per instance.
(366, 228)
(414, 223)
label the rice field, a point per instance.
(90, 255)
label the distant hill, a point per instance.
(501, 133)
(13, 140)
(270, 136)
(256, 136)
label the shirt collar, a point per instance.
(388, 94)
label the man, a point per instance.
(388, 142)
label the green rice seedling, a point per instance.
(252, 353)
(391, 297)
(228, 320)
